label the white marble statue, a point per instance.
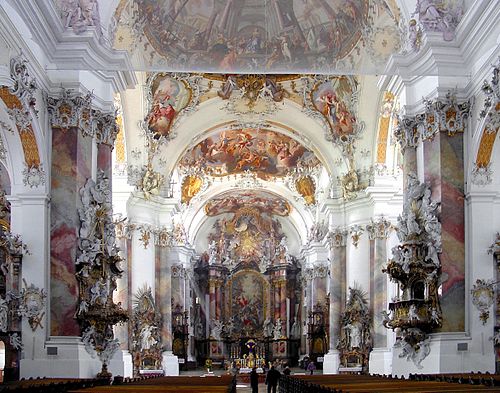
(412, 313)
(147, 339)
(217, 330)
(212, 253)
(278, 329)
(268, 328)
(295, 329)
(99, 293)
(355, 338)
(15, 341)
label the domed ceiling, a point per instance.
(259, 36)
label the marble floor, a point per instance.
(245, 388)
(242, 387)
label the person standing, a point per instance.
(254, 380)
(311, 367)
(287, 370)
(272, 379)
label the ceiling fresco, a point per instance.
(334, 98)
(265, 152)
(257, 36)
(232, 201)
(247, 236)
(170, 96)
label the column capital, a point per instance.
(337, 237)
(379, 228)
(439, 115)
(74, 110)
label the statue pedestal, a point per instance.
(331, 362)
(170, 363)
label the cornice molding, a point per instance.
(68, 51)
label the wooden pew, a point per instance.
(373, 384)
(212, 384)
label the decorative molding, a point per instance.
(415, 346)
(32, 305)
(406, 133)
(178, 271)
(495, 247)
(353, 182)
(21, 118)
(356, 231)
(33, 176)
(317, 232)
(379, 229)
(7, 126)
(248, 180)
(24, 86)
(481, 172)
(483, 294)
(16, 342)
(258, 93)
(3, 149)
(13, 244)
(105, 127)
(491, 109)
(145, 179)
(145, 231)
(444, 116)
(481, 175)
(320, 271)
(123, 229)
(4, 313)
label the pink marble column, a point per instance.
(121, 294)
(71, 167)
(338, 281)
(283, 301)
(218, 308)
(213, 299)
(104, 159)
(444, 170)
(276, 292)
(409, 163)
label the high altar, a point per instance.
(250, 285)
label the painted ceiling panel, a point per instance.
(231, 201)
(278, 36)
(265, 152)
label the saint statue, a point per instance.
(355, 338)
(147, 339)
(268, 328)
(295, 329)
